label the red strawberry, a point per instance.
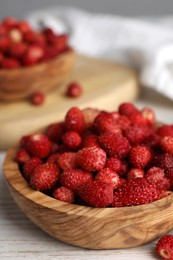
(55, 131)
(38, 145)
(89, 115)
(126, 109)
(30, 166)
(1, 58)
(149, 114)
(114, 163)
(44, 177)
(15, 35)
(135, 173)
(38, 98)
(123, 122)
(33, 54)
(164, 247)
(22, 156)
(10, 63)
(74, 90)
(164, 161)
(33, 37)
(23, 26)
(74, 120)
(67, 161)
(72, 140)
(4, 44)
(124, 169)
(137, 134)
(63, 194)
(53, 158)
(3, 30)
(115, 144)
(135, 192)
(50, 53)
(9, 22)
(60, 41)
(140, 156)
(73, 178)
(105, 122)
(167, 144)
(96, 193)
(90, 140)
(108, 176)
(91, 158)
(165, 130)
(17, 49)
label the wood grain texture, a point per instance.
(105, 84)
(21, 83)
(94, 228)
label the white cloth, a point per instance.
(146, 44)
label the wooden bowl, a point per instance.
(21, 83)
(95, 228)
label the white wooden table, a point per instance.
(20, 239)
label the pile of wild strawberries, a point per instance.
(101, 159)
(21, 45)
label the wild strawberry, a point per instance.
(167, 144)
(74, 120)
(72, 140)
(137, 134)
(108, 176)
(38, 98)
(126, 109)
(124, 169)
(140, 156)
(91, 158)
(134, 173)
(96, 193)
(34, 53)
(4, 44)
(10, 63)
(9, 22)
(90, 140)
(115, 144)
(23, 26)
(30, 166)
(73, 178)
(55, 131)
(61, 42)
(89, 115)
(3, 30)
(123, 122)
(105, 122)
(153, 141)
(63, 194)
(67, 161)
(74, 90)
(169, 175)
(44, 177)
(35, 38)
(38, 145)
(23, 140)
(165, 130)
(17, 49)
(114, 163)
(164, 161)
(135, 192)
(157, 176)
(15, 35)
(149, 114)
(164, 247)
(49, 33)
(22, 156)
(50, 53)
(53, 158)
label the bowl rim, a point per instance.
(15, 179)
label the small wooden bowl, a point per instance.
(95, 228)
(21, 83)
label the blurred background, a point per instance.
(20, 8)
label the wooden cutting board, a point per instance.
(105, 84)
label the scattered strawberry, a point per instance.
(114, 163)
(96, 193)
(115, 144)
(167, 144)
(30, 166)
(10, 63)
(74, 90)
(38, 145)
(72, 140)
(164, 247)
(67, 161)
(63, 194)
(22, 156)
(38, 98)
(74, 120)
(91, 158)
(73, 178)
(89, 116)
(55, 131)
(108, 176)
(135, 192)
(44, 177)
(134, 173)
(140, 156)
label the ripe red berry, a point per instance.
(126, 109)
(53, 158)
(33, 54)
(55, 131)
(38, 98)
(38, 145)
(164, 161)
(164, 247)
(91, 158)
(149, 114)
(74, 120)
(140, 156)
(108, 176)
(67, 161)
(9, 22)
(90, 140)
(114, 163)
(10, 63)
(17, 49)
(74, 90)
(167, 144)
(96, 193)
(63, 194)
(15, 35)
(23, 26)
(72, 140)
(22, 156)
(4, 44)
(104, 123)
(165, 130)
(44, 177)
(30, 166)
(73, 178)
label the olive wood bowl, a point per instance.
(22, 82)
(94, 228)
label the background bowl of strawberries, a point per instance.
(31, 61)
(98, 179)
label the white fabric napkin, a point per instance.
(146, 44)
